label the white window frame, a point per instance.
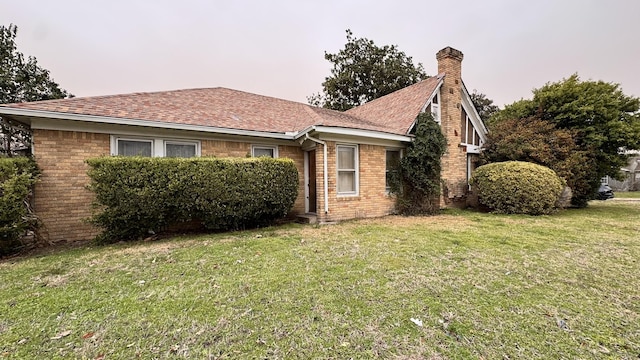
(158, 145)
(180, 142)
(386, 170)
(115, 140)
(435, 108)
(270, 147)
(356, 170)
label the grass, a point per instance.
(484, 287)
(628, 194)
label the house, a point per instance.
(341, 157)
(630, 174)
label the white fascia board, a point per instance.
(471, 110)
(355, 133)
(435, 91)
(472, 149)
(146, 123)
(424, 107)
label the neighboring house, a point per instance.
(341, 157)
(630, 174)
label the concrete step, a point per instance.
(307, 219)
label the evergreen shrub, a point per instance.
(17, 177)
(517, 187)
(137, 196)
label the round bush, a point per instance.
(516, 187)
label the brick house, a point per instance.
(341, 156)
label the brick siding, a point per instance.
(372, 199)
(61, 200)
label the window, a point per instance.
(268, 151)
(393, 164)
(128, 147)
(435, 108)
(179, 149)
(347, 164)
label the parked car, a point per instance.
(605, 192)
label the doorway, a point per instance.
(312, 199)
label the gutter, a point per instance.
(135, 122)
(324, 172)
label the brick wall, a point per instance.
(61, 200)
(372, 200)
(296, 154)
(454, 162)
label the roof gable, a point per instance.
(399, 109)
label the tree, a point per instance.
(21, 81)
(605, 121)
(419, 178)
(540, 142)
(484, 106)
(363, 71)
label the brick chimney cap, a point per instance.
(449, 52)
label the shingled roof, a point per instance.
(215, 107)
(399, 109)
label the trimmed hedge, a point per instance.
(517, 187)
(140, 195)
(17, 177)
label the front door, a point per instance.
(311, 181)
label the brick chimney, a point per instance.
(454, 162)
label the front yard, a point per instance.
(459, 285)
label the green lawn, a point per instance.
(628, 194)
(484, 287)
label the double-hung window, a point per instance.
(347, 165)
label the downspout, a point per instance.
(324, 172)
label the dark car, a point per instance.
(605, 192)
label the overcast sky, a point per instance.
(276, 47)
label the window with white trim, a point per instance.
(141, 146)
(435, 107)
(392, 166)
(347, 168)
(263, 150)
(134, 147)
(180, 149)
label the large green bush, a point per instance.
(541, 142)
(517, 187)
(17, 177)
(137, 196)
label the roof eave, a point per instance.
(335, 130)
(137, 122)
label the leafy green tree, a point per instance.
(363, 71)
(604, 120)
(21, 81)
(540, 142)
(419, 178)
(484, 106)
